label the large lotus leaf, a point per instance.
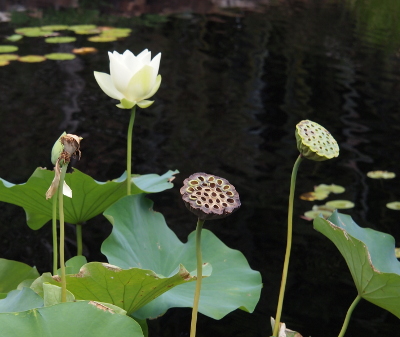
(13, 273)
(370, 256)
(20, 300)
(141, 238)
(90, 197)
(70, 319)
(129, 289)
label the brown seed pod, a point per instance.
(209, 197)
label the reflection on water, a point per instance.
(233, 89)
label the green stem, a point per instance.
(79, 239)
(129, 152)
(199, 278)
(62, 232)
(348, 315)
(54, 227)
(288, 247)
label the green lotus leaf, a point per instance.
(20, 300)
(12, 273)
(90, 197)
(37, 33)
(313, 214)
(8, 57)
(340, 204)
(60, 56)
(4, 63)
(24, 30)
(87, 31)
(52, 295)
(8, 48)
(381, 174)
(54, 27)
(69, 319)
(141, 238)
(394, 205)
(102, 38)
(370, 256)
(82, 27)
(14, 37)
(330, 188)
(60, 39)
(32, 58)
(129, 289)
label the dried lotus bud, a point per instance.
(315, 142)
(71, 144)
(209, 197)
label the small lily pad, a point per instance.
(8, 57)
(54, 27)
(82, 27)
(84, 50)
(87, 31)
(32, 58)
(4, 63)
(397, 252)
(14, 37)
(60, 56)
(102, 38)
(330, 188)
(311, 196)
(8, 48)
(381, 175)
(60, 39)
(24, 30)
(394, 205)
(313, 214)
(340, 204)
(37, 33)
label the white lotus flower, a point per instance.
(132, 79)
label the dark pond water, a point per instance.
(233, 89)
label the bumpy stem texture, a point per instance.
(288, 247)
(348, 315)
(54, 230)
(79, 245)
(129, 152)
(199, 278)
(62, 233)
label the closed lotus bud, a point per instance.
(57, 149)
(315, 142)
(209, 197)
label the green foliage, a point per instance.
(12, 273)
(90, 197)
(370, 256)
(141, 238)
(66, 320)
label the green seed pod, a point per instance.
(315, 142)
(57, 149)
(209, 197)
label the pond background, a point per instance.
(235, 83)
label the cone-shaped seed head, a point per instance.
(209, 197)
(315, 142)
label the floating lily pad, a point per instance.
(60, 56)
(370, 256)
(60, 39)
(32, 58)
(381, 175)
(8, 57)
(84, 50)
(340, 204)
(87, 31)
(101, 38)
(38, 33)
(24, 30)
(313, 214)
(311, 196)
(394, 205)
(82, 27)
(8, 48)
(330, 188)
(116, 32)
(55, 27)
(397, 252)
(14, 37)
(4, 63)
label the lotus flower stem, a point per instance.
(129, 152)
(54, 227)
(199, 259)
(288, 246)
(62, 232)
(78, 239)
(348, 315)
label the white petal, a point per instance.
(120, 73)
(106, 84)
(155, 64)
(67, 190)
(155, 87)
(140, 85)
